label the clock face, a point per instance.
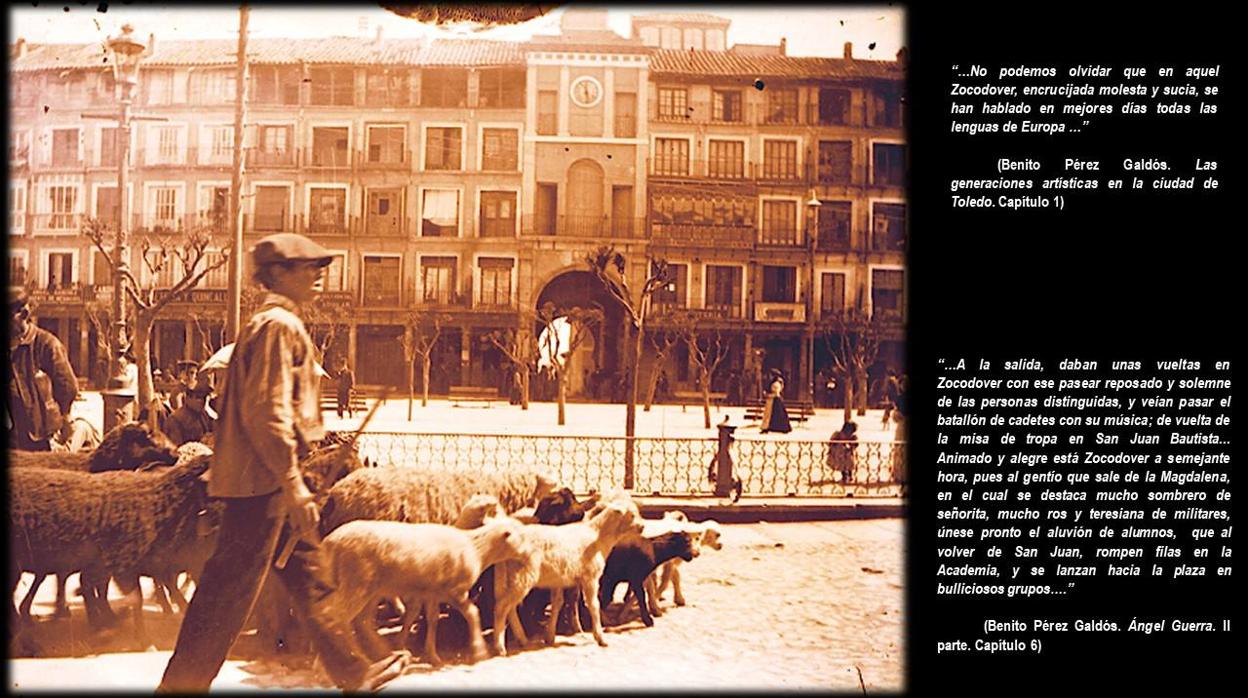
(586, 92)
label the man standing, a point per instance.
(42, 385)
(191, 421)
(346, 383)
(270, 413)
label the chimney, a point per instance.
(849, 50)
(377, 40)
(784, 44)
(19, 48)
(151, 44)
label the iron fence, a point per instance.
(663, 466)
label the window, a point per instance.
(17, 208)
(336, 274)
(439, 212)
(779, 159)
(332, 86)
(693, 39)
(19, 145)
(495, 281)
(702, 210)
(222, 144)
(442, 148)
(437, 280)
(625, 115)
(17, 269)
(779, 284)
(673, 103)
(60, 270)
(214, 207)
(671, 156)
(275, 84)
(64, 147)
(273, 146)
(328, 210)
(161, 268)
(833, 106)
(67, 87)
(163, 145)
(213, 86)
(782, 105)
(650, 36)
(101, 270)
(501, 87)
(106, 203)
(272, 204)
(671, 37)
(217, 278)
(498, 214)
(725, 159)
(109, 146)
(890, 164)
(22, 90)
(835, 162)
(387, 88)
(714, 39)
(500, 149)
(547, 112)
(330, 147)
(780, 222)
(673, 293)
(159, 85)
(165, 208)
(888, 227)
(887, 292)
(834, 225)
(726, 105)
(886, 106)
(444, 87)
(385, 212)
(831, 294)
(723, 289)
(63, 205)
(381, 281)
(386, 145)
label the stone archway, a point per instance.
(601, 352)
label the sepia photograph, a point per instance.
(426, 347)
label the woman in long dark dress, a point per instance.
(777, 417)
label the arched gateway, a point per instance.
(600, 355)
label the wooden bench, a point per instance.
(329, 401)
(472, 395)
(693, 398)
(799, 410)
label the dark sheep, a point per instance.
(633, 561)
(127, 447)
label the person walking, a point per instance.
(270, 413)
(775, 415)
(42, 385)
(346, 383)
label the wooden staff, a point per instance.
(340, 462)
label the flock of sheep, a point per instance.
(496, 548)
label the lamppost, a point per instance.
(812, 235)
(125, 52)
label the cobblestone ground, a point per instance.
(799, 605)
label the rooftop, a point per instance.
(738, 65)
(681, 18)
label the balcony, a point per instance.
(271, 158)
(734, 236)
(594, 227)
(212, 222)
(330, 158)
(400, 160)
(781, 238)
(205, 157)
(57, 223)
(779, 312)
(446, 300)
(152, 158)
(833, 240)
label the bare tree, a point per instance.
(853, 340)
(520, 347)
(661, 344)
(609, 266)
(707, 349)
(420, 335)
(186, 253)
(579, 320)
(318, 316)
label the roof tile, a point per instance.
(726, 64)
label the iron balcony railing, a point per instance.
(591, 227)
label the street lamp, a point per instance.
(812, 227)
(125, 52)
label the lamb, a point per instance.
(573, 555)
(634, 561)
(705, 535)
(127, 447)
(422, 563)
(100, 524)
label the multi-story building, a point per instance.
(473, 177)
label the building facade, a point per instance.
(472, 178)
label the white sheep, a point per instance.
(571, 555)
(424, 564)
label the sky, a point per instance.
(809, 30)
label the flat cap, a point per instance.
(289, 247)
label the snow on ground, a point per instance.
(782, 606)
